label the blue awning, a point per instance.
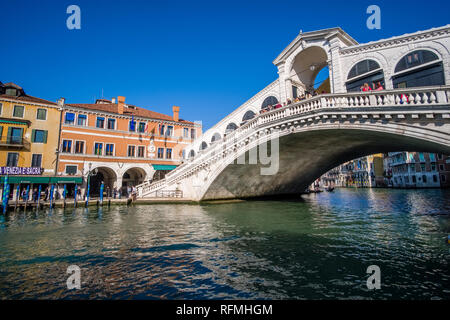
(70, 116)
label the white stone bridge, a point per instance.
(307, 138)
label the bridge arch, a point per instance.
(306, 65)
(203, 146)
(101, 174)
(231, 127)
(191, 154)
(216, 137)
(248, 115)
(306, 155)
(270, 100)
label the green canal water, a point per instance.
(317, 248)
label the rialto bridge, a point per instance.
(280, 152)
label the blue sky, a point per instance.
(207, 57)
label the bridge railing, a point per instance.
(387, 98)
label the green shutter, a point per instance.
(33, 135)
(9, 134)
(1, 130)
(45, 136)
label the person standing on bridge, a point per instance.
(366, 87)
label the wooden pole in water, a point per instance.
(64, 196)
(75, 194)
(39, 198)
(27, 194)
(17, 197)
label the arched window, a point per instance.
(248, 115)
(231, 127)
(191, 154)
(366, 71)
(216, 137)
(269, 101)
(203, 146)
(431, 74)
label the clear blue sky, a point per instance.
(207, 57)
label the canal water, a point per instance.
(317, 248)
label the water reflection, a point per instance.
(318, 248)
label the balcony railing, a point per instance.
(14, 142)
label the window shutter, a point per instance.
(1, 129)
(33, 135)
(45, 136)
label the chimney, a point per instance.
(176, 113)
(113, 100)
(121, 104)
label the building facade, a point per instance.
(120, 144)
(413, 170)
(443, 163)
(29, 129)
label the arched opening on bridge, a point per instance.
(192, 154)
(131, 178)
(216, 137)
(231, 127)
(366, 71)
(269, 101)
(102, 174)
(419, 68)
(307, 65)
(248, 116)
(203, 146)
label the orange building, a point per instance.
(120, 144)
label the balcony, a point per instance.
(14, 143)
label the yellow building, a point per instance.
(29, 129)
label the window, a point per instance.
(424, 179)
(141, 151)
(36, 161)
(421, 157)
(109, 149)
(440, 156)
(15, 135)
(433, 167)
(186, 132)
(435, 178)
(66, 146)
(98, 149)
(18, 111)
(415, 59)
(432, 74)
(132, 126)
(413, 167)
(160, 153)
(169, 131)
(100, 122)
(1, 131)
(168, 153)
(39, 136)
(12, 160)
(69, 118)
(161, 129)
(111, 124)
(193, 133)
(82, 120)
(1, 108)
(414, 179)
(364, 72)
(422, 167)
(11, 92)
(41, 114)
(271, 101)
(131, 151)
(142, 126)
(363, 67)
(443, 178)
(79, 147)
(441, 167)
(71, 170)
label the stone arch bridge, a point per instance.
(308, 138)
